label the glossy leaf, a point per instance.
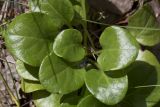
(148, 57)
(45, 99)
(119, 49)
(26, 71)
(144, 80)
(58, 77)
(77, 5)
(68, 45)
(90, 101)
(146, 20)
(80, 12)
(61, 11)
(30, 37)
(30, 86)
(81, 8)
(67, 105)
(107, 89)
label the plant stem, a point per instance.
(9, 91)
(5, 97)
(85, 39)
(16, 100)
(87, 36)
(83, 4)
(129, 27)
(94, 63)
(14, 84)
(1, 103)
(84, 24)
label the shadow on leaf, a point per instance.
(143, 79)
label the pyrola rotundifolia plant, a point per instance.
(63, 64)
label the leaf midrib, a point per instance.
(57, 12)
(44, 39)
(145, 26)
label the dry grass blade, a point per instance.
(9, 88)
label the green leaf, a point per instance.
(61, 11)
(107, 89)
(71, 98)
(144, 80)
(80, 11)
(68, 45)
(148, 57)
(30, 86)
(30, 37)
(83, 12)
(67, 105)
(34, 5)
(45, 99)
(119, 49)
(58, 77)
(90, 101)
(77, 5)
(27, 71)
(144, 23)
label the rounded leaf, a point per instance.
(26, 71)
(61, 11)
(148, 57)
(68, 45)
(144, 80)
(119, 49)
(57, 77)
(90, 101)
(45, 99)
(144, 26)
(107, 89)
(30, 37)
(67, 105)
